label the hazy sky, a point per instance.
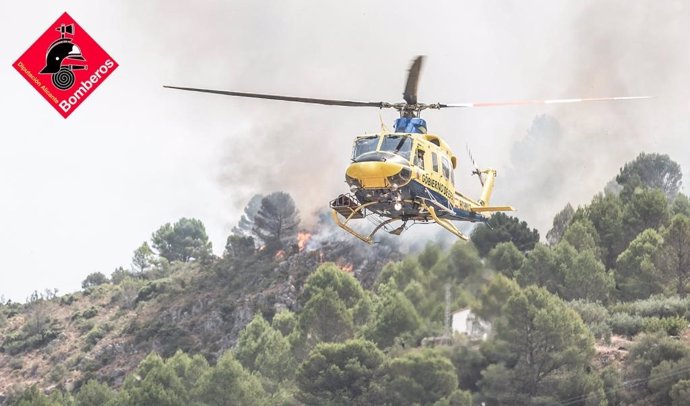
(79, 195)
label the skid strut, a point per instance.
(444, 223)
(348, 207)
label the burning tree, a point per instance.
(277, 221)
(245, 227)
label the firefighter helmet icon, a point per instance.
(59, 51)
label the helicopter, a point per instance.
(407, 174)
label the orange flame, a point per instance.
(303, 238)
(280, 255)
(348, 268)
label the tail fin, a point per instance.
(486, 195)
(485, 209)
(488, 186)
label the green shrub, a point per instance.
(653, 325)
(86, 314)
(74, 361)
(16, 363)
(88, 365)
(153, 288)
(30, 337)
(99, 292)
(595, 316)
(94, 279)
(85, 325)
(146, 292)
(457, 398)
(90, 312)
(58, 373)
(672, 326)
(126, 293)
(11, 309)
(675, 326)
(656, 306)
(601, 331)
(67, 300)
(625, 324)
(589, 312)
(96, 334)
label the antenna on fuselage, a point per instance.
(384, 129)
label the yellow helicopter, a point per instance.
(407, 174)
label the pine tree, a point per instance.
(183, 241)
(277, 221)
(245, 227)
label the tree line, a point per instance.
(616, 266)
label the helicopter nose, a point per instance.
(373, 175)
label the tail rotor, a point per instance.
(476, 171)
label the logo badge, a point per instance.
(65, 65)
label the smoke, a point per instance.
(137, 156)
(546, 157)
(615, 48)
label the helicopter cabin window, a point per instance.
(419, 158)
(434, 161)
(397, 144)
(364, 145)
(446, 167)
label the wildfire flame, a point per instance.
(303, 238)
(347, 267)
(280, 255)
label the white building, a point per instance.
(465, 322)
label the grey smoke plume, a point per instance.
(489, 51)
(614, 48)
(136, 155)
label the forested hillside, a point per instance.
(595, 314)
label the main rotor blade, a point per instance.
(553, 101)
(327, 102)
(410, 94)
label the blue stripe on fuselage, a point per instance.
(419, 190)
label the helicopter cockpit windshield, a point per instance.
(364, 145)
(397, 144)
(394, 147)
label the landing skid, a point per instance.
(445, 223)
(346, 208)
(369, 239)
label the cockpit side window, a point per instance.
(419, 158)
(446, 167)
(397, 144)
(434, 161)
(364, 145)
